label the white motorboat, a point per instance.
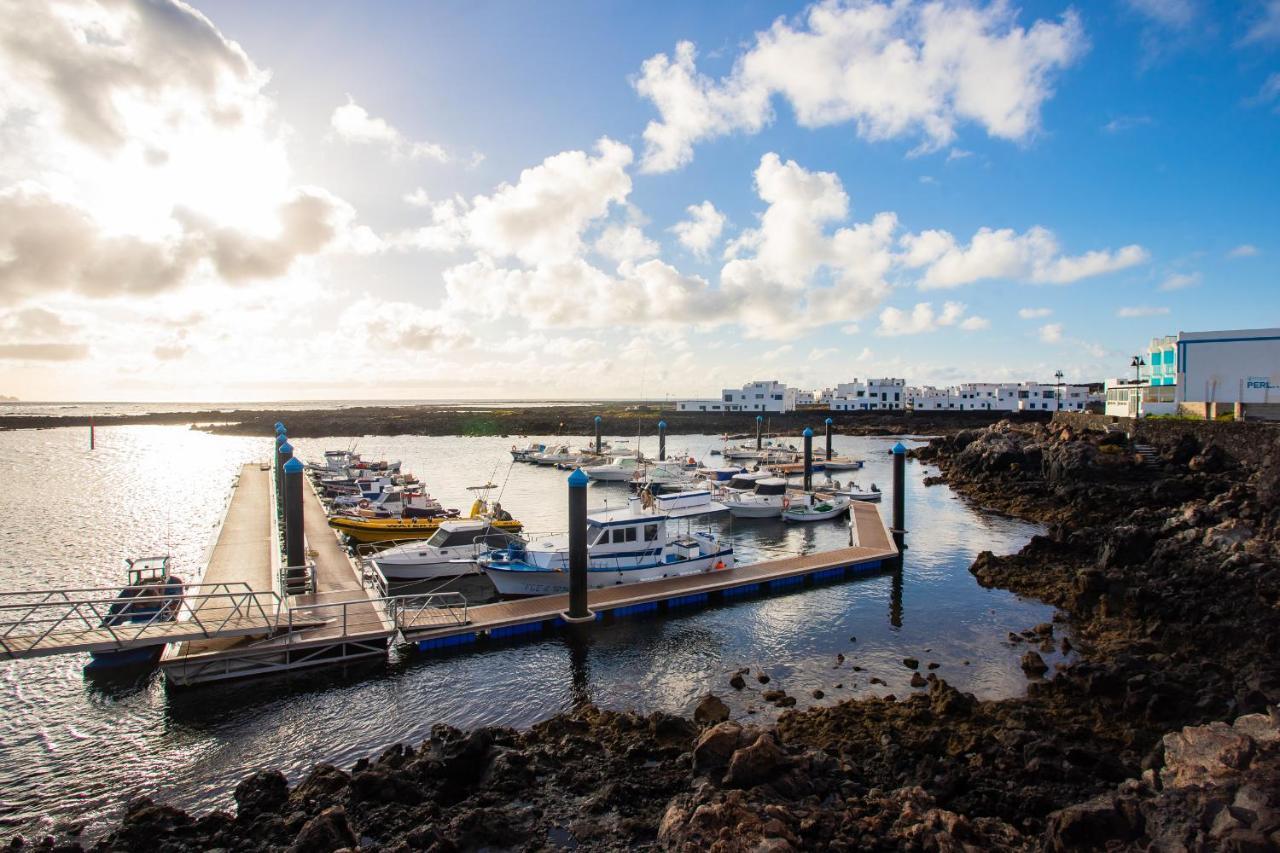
(450, 552)
(556, 455)
(766, 500)
(720, 474)
(842, 463)
(628, 545)
(853, 491)
(660, 474)
(618, 469)
(815, 507)
(522, 454)
(746, 481)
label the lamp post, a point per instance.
(1058, 391)
(1137, 364)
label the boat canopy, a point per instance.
(771, 486)
(747, 481)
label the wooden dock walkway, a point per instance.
(875, 547)
(340, 620)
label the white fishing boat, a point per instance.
(719, 474)
(626, 545)
(842, 463)
(522, 454)
(450, 552)
(620, 469)
(556, 455)
(765, 500)
(815, 507)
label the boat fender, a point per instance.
(786, 503)
(720, 564)
(364, 503)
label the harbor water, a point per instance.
(74, 750)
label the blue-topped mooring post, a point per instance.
(294, 550)
(283, 454)
(759, 435)
(808, 459)
(899, 529)
(598, 445)
(828, 439)
(578, 610)
(662, 441)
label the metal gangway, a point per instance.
(104, 619)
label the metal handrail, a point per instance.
(95, 614)
(403, 608)
(307, 576)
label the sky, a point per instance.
(321, 200)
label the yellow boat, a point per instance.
(370, 530)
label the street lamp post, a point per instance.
(1058, 391)
(1137, 364)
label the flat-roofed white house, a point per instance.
(1203, 374)
(759, 396)
(872, 395)
(1000, 397)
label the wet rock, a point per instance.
(762, 678)
(736, 681)
(918, 680)
(818, 694)
(710, 710)
(755, 764)
(263, 792)
(933, 665)
(1033, 664)
(324, 833)
(910, 663)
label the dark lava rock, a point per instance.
(755, 764)
(918, 680)
(1033, 664)
(263, 792)
(910, 663)
(324, 833)
(737, 682)
(818, 694)
(710, 710)
(762, 678)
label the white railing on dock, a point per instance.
(408, 610)
(42, 620)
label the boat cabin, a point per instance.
(771, 486)
(148, 570)
(746, 481)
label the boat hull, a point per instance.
(425, 570)
(754, 510)
(527, 582)
(368, 531)
(805, 514)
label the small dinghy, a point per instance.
(815, 508)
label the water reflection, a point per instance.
(79, 748)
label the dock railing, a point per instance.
(440, 607)
(39, 620)
(297, 580)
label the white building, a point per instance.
(1203, 374)
(760, 396)
(872, 395)
(1000, 397)
(806, 398)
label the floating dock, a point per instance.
(339, 621)
(874, 550)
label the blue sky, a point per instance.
(1127, 177)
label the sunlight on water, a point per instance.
(76, 749)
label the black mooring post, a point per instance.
(578, 610)
(283, 454)
(808, 459)
(294, 550)
(759, 437)
(828, 439)
(662, 441)
(899, 498)
(598, 445)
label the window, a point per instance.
(896, 396)
(650, 532)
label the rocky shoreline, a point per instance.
(1163, 734)
(568, 419)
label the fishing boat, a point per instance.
(627, 545)
(522, 454)
(719, 474)
(555, 454)
(815, 507)
(765, 500)
(371, 530)
(450, 552)
(842, 463)
(151, 594)
(745, 481)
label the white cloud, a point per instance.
(1123, 123)
(352, 123)
(1141, 311)
(1244, 250)
(417, 198)
(1266, 28)
(140, 152)
(922, 318)
(1051, 333)
(622, 243)
(1034, 313)
(1180, 281)
(404, 326)
(1269, 92)
(958, 154)
(701, 230)
(893, 70)
(1170, 13)
(1033, 256)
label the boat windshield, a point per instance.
(452, 538)
(746, 482)
(771, 487)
